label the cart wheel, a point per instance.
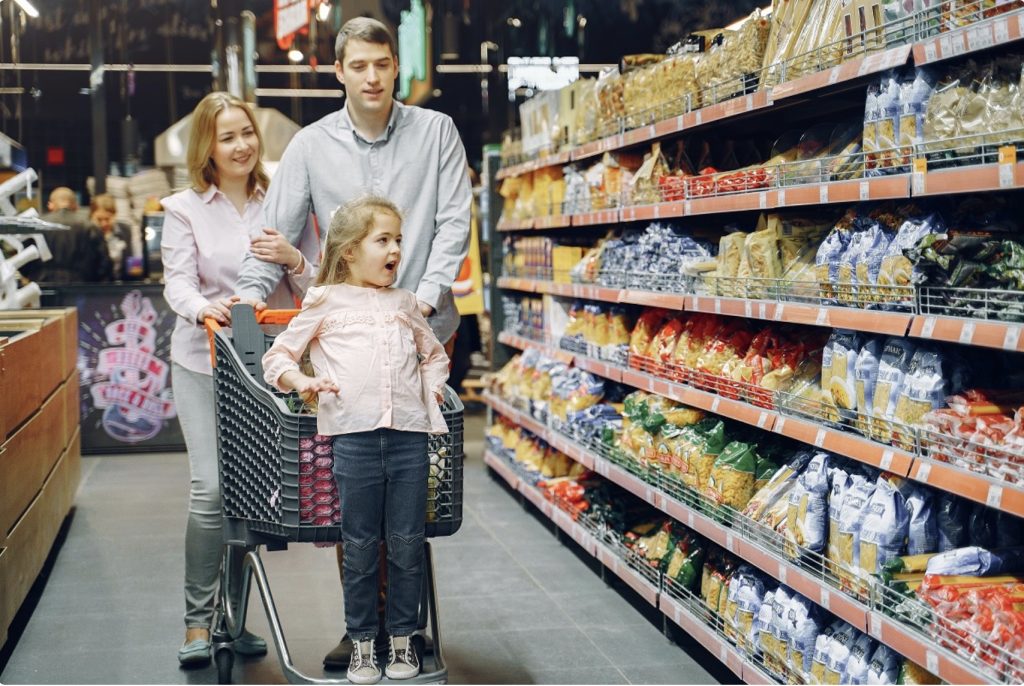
(225, 659)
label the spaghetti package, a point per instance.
(923, 530)
(851, 518)
(805, 625)
(883, 534)
(897, 354)
(842, 385)
(865, 377)
(884, 667)
(827, 263)
(859, 662)
(896, 274)
(807, 519)
(840, 484)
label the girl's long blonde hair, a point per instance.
(202, 172)
(352, 222)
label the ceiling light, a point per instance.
(323, 11)
(582, 21)
(295, 55)
(514, 22)
(28, 8)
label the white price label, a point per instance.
(923, 472)
(833, 76)
(657, 211)
(750, 102)
(946, 43)
(967, 333)
(780, 310)
(1012, 338)
(865, 190)
(875, 626)
(780, 425)
(917, 180)
(762, 419)
(601, 466)
(689, 519)
(928, 328)
(714, 404)
(679, 123)
(886, 462)
(762, 200)
(823, 193)
(931, 662)
(930, 54)
(979, 38)
(1001, 29)
(826, 598)
(748, 309)
(1020, 24)
(822, 318)
(762, 311)
(718, 306)
(651, 131)
(781, 198)
(819, 438)
(1007, 176)
(995, 496)
(782, 573)
(688, 208)
(724, 653)
(730, 545)
(959, 46)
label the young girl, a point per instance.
(379, 375)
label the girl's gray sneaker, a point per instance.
(362, 667)
(402, 660)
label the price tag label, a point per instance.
(1020, 24)
(886, 461)
(995, 496)
(781, 198)
(1012, 338)
(875, 626)
(1007, 166)
(698, 117)
(928, 328)
(780, 310)
(931, 661)
(651, 131)
(687, 208)
(980, 37)
(1001, 31)
(748, 309)
(946, 44)
(780, 425)
(601, 467)
(923, 472)
(823, 193)
(822, 318)
(689, 519)
(967, 333)
(930, 53)
(919, 175)
(819, 438)
(724, 653)
(762, 419)
(959, 46)
(715, 403)
(782, 573)
(762, 200)
(718, 306)
(657, 211)
(762, 311)
(679, 123)
(730, 545)
(865, 190)
(833, 76)
(826, 598)
(750, 102)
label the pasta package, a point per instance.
(931, 377)
(897, 354)
(865, 377)
(884, 532)
(842, 382)
(851, 518)
(731, 482)
(841, 483)
(807, 519)
(827, 261)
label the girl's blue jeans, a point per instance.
(382, 483)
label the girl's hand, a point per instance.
(273, 247)
(309, 387)
(219, 310)
(439, 398)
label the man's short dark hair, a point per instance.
(366, 29)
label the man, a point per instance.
(374, 144)
(79, 254)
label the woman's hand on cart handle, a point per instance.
(439, 397)
(219, 310)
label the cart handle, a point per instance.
(262, 317)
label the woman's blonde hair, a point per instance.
(352, 222)
(103, 201)
(202, 172)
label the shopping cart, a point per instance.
(266, 455)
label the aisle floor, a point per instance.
(517, 605)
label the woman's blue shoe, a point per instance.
(250, 645)
(195, 653)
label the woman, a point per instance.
(207, 230)
(102, 213)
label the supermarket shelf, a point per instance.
(977, 487)
(981, 35)
(524, 343)
(975, 178)
(554, 221)
(715, 644)
(847, 71)
(610, 216)
(874, 321)
(980, 332)
(515, 225)
(904, 639)
(557, 159)
(842, 443)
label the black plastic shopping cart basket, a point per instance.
(276, 477)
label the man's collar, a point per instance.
(397, 112)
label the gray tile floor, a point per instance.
(517, 605)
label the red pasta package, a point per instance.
(646, 328)
(665, 342)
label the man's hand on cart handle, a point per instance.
(308, 386)
(439, 398)
(219, 311)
